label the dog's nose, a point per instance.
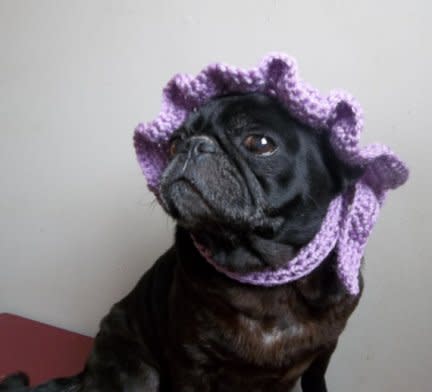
(201, 144)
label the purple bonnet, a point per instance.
(350, 216)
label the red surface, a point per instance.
(40, 350)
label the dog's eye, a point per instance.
(260, 144)
(173, 146)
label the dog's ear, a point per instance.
(348, 175)
(344, 175)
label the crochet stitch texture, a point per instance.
(350, 216)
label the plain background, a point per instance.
(78, 226)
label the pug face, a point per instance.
(250, 182)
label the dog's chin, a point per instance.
(188, 205)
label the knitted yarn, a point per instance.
(350, 217)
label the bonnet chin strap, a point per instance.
(346, 227)
(359, 218)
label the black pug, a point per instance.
(253, 185)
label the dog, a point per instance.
(252, 185)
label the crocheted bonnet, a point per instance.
(350, 216)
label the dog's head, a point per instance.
(249, 181)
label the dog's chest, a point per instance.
(278, 341)
(251, 337)
(243, 353)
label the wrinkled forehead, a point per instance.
(235, 111)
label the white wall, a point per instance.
(78, 226)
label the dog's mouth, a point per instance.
(199, 207)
